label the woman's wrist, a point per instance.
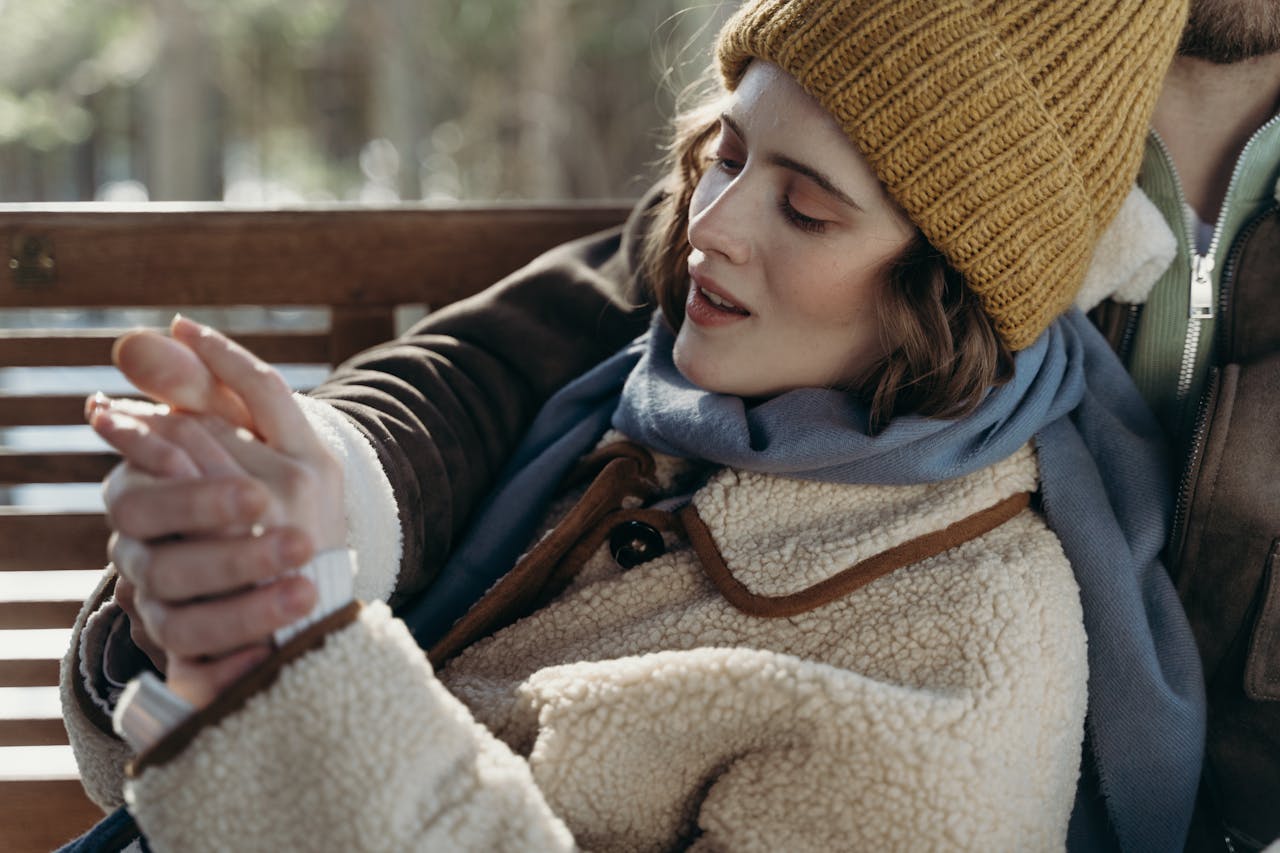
(149, 709)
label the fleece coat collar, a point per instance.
(771, 546)
(819, 530)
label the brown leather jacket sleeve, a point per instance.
(445, 404)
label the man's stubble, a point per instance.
(1229, 31)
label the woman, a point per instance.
(797, 600)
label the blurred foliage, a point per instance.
(305, 100)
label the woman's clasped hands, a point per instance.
(223, 490)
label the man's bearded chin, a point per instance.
(1227, 31)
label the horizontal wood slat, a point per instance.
(38, 614)
(72, 348)
(22, 672)
(41, 410)
(38, 732)
(348, 256)
(31, 541)
(21, 467)
(42, 815)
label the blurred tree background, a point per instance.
(297, 101)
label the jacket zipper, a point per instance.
(1132, 313)
(1182, 506)
(1200, 301)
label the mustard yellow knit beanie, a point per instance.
(1010, 131)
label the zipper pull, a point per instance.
(1201, 288)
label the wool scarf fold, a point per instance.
(1105, 493)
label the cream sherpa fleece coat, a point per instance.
(939, 707)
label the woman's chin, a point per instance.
(700, 371)
(715, 382)
(687, 369)
(715, 371)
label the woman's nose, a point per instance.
(721, 224)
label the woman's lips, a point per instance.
(708, 306)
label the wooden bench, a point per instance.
(76, 266)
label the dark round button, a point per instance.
(634, 542)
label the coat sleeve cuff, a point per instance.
(373, 519)
(100, 755)
(231, 700)
(148, 710)
(345, 736)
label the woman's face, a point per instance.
(791, 233)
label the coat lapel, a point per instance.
(776, 546)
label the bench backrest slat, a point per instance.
(41, 410)
(25, 468)
(304, 257)
(28, 672)
(63, 541)
(75, 348)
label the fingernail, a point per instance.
(187, 326)
(95, 401)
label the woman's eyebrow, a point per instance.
(796, 166)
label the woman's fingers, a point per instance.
(307, 491)
(218, 626)
(275, 414)
(182, 570)
(170, 372)
(200, 682)
(164, 508)
(158, 441)
(137, 442)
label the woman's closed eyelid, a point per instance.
(813, 202)
(801, 220)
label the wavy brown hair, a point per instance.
(942, 351)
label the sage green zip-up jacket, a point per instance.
(1169, 354)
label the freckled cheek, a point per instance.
(841, 303)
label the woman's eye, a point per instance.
(805, 223)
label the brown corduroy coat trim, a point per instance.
(88, 707)
(242, 690)
(627, 471)
(852, 578)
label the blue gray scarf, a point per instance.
(1104, 492)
